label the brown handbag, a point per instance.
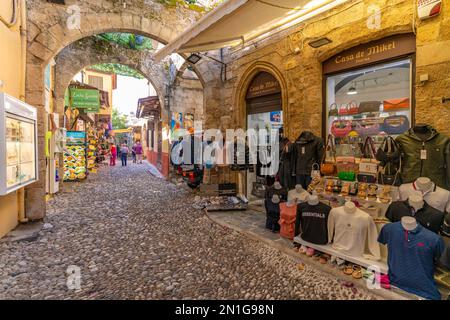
(369, 106)
(328, 169)
(395, 104)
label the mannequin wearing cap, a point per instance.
(298, 194)
(436, 197)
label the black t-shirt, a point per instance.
(429, 217)
(312, 222)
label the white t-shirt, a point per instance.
(351, 233)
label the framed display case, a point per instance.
(18, 147)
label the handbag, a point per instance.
(333, 111)
(328, 169)
(368, 166)
(369, 106)
(396, 104)
(315, 171)
(390, 162)
(395, 124)
(348, 109)
(346, 168)
(338, 131)
(367, 129)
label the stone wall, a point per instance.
(298, 66)
(187, 97)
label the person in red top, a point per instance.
(113, 155)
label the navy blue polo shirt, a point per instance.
(412, 256)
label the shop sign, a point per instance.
(263, 84)
(371, 52)
(86, 99)
(428, 8)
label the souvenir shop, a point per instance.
(371, 196)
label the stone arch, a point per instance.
(247, 77)
(48, 34)
(90, 51)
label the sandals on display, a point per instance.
(315, 181)
(337, 186)
(348, 269)
(329, 187)
(372, 194)
(303, 249)
(324, 258)
(345, 189)
(357, 272)
(385, 194)
(310, 252)
(353, 189)
(362, 190)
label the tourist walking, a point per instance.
(124, 154)
(137, 149)
(112, 155)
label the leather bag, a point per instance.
(369, 106)
(368, 166)
(367, 129)
(396, 104)
(328, 169)
(333, 111)
(397, 124)
(340, 131)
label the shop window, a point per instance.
(373, 101)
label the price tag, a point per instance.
(303, 150)
(423, 154)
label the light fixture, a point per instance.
(352, 91)
(319, 42)
(194, 58)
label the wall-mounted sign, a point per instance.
(86, 99)
(368, 53)
(263, 84)
(428, 8)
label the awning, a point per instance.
(236, 22)
(148, 107)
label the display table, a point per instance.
(356, 260)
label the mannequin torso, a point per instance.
(298, 194)
(409, 223)
(313, 200)
(436, 197)
(416, 202)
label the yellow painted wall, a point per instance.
(107, 86)
(12, 76)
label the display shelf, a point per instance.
(382, 266)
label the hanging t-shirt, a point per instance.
(429, 217)
(312, 222)
(351, 233)
(411, 258)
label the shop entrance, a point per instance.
(264, 111)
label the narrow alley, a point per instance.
(135, 236)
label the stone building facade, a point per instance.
(298, 67)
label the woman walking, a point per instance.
(137, 149)
(112, 155)
(124, 154)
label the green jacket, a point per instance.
(436, 166)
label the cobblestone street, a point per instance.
(135, 236)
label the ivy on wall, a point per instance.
(191, 4)
(127, 40)
(119, 69)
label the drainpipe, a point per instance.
(23, 41)
(23, 38)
